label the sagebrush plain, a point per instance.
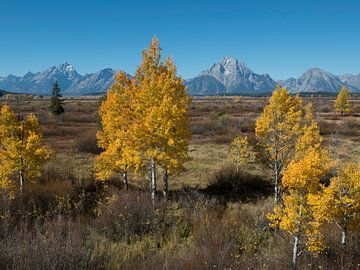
(215, 218)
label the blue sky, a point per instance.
(282, 38)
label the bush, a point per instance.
(87, 143)
(352, 123)
(228, 184)
(60, 245)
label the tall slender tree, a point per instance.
(163, 135)
(302, 183)
(56, 105)
(21, 150)
(118, 116)
(277, 130)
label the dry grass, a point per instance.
(214, 122)
(216, 218)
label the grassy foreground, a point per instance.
(215, 219)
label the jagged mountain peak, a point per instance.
(232, 63)
(231, 76)
(227, 66)
(66, 67)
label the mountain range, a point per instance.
(229, 76)
(70, 81)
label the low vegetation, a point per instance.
(219, 211)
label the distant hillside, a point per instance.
(317, 80)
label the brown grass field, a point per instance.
(70, 221)
(214, 122)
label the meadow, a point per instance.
(215, 218)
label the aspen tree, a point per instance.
(341, 200)
(277, 130)
(239, 151)
(173, 132)
(144, 121)
(117, 118)
(21, 150)
(342, 103)
(163, 133)
(302, 184)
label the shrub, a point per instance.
(87, 143)
(228, 184)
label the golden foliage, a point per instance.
(341, 199)
(118, 118)
(302, 182)
(21, 148)
(145, 118)
(277, 130)
(279, 124)
(342, 103)
(239, 151)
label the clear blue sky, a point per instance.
(282, 38)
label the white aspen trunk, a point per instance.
(277, 174)
(166, 184)
(153, 180)
(277, 183)
(125, 180)
(21, 174)
(21, 179)
(344, 237)
(295, 252)
(344, 234)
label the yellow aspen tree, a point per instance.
(277, 130)
(239, 151)
(342, 103)
(341, 200)
(22, 153)
(117, 118)
(145, 122)
(173, 132)
(302, 183)
(162, 135)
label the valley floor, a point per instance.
(216, 218)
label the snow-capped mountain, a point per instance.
(70, 81)
(231, 76)
(317, 80)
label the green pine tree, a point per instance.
(56, 101)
